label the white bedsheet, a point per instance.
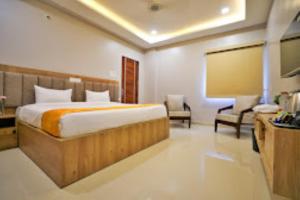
(91, 121)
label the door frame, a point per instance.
(136, 79)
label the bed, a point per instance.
(88, 141)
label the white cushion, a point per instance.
(248, 118)
(244, 102)
(45, 95)
(179, 113)
(227, 117)
(266, 108)
(97, 96)
(175, 102)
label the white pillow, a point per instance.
(175, 102)
(45, 95)
(97, 96)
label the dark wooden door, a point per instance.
(130, 79)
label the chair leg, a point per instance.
(238, 131)
(183, 121)
(216, 126)
(190, 122)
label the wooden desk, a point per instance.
(280, 155)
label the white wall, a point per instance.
(62, 44)
(151, 63)
(282, 14)
(181, 70)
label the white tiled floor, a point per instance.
(194, 163)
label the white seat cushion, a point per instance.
(228, 117)
(247, 119)
(179, 113)
(244, 102)
(175, 102)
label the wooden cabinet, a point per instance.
(8, 136)
(280, 155)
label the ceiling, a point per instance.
(175, 21)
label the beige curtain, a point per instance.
(235, 72)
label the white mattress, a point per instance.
(85, 122)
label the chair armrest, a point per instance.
(242, 114)
(186, 107)
(225, 108)
(166, 104)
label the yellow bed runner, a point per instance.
(51, 118)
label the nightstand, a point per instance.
(8, 135)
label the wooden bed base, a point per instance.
(66, 160)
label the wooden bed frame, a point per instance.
(66, 160)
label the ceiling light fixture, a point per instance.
(225, 10)
(154, 32)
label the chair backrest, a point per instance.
(245, 102)
(175, 102)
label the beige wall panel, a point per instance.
(28, 88)
(58, 83)
(88, 85)
(79, 92)
(13, 89)
(45, 81)
(97, 87)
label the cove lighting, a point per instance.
(238, 15)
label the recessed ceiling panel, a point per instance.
(172, 14)
(172, 18)
(173, 21)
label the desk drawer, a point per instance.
(8, 141)
(7, 131)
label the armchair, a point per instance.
(177, 109)
(238, 116)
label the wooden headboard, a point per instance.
(17, 84)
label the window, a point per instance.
(235, 72)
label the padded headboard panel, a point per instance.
(18, 85)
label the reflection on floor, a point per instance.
(194, 163)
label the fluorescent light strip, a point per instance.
(151, 39)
